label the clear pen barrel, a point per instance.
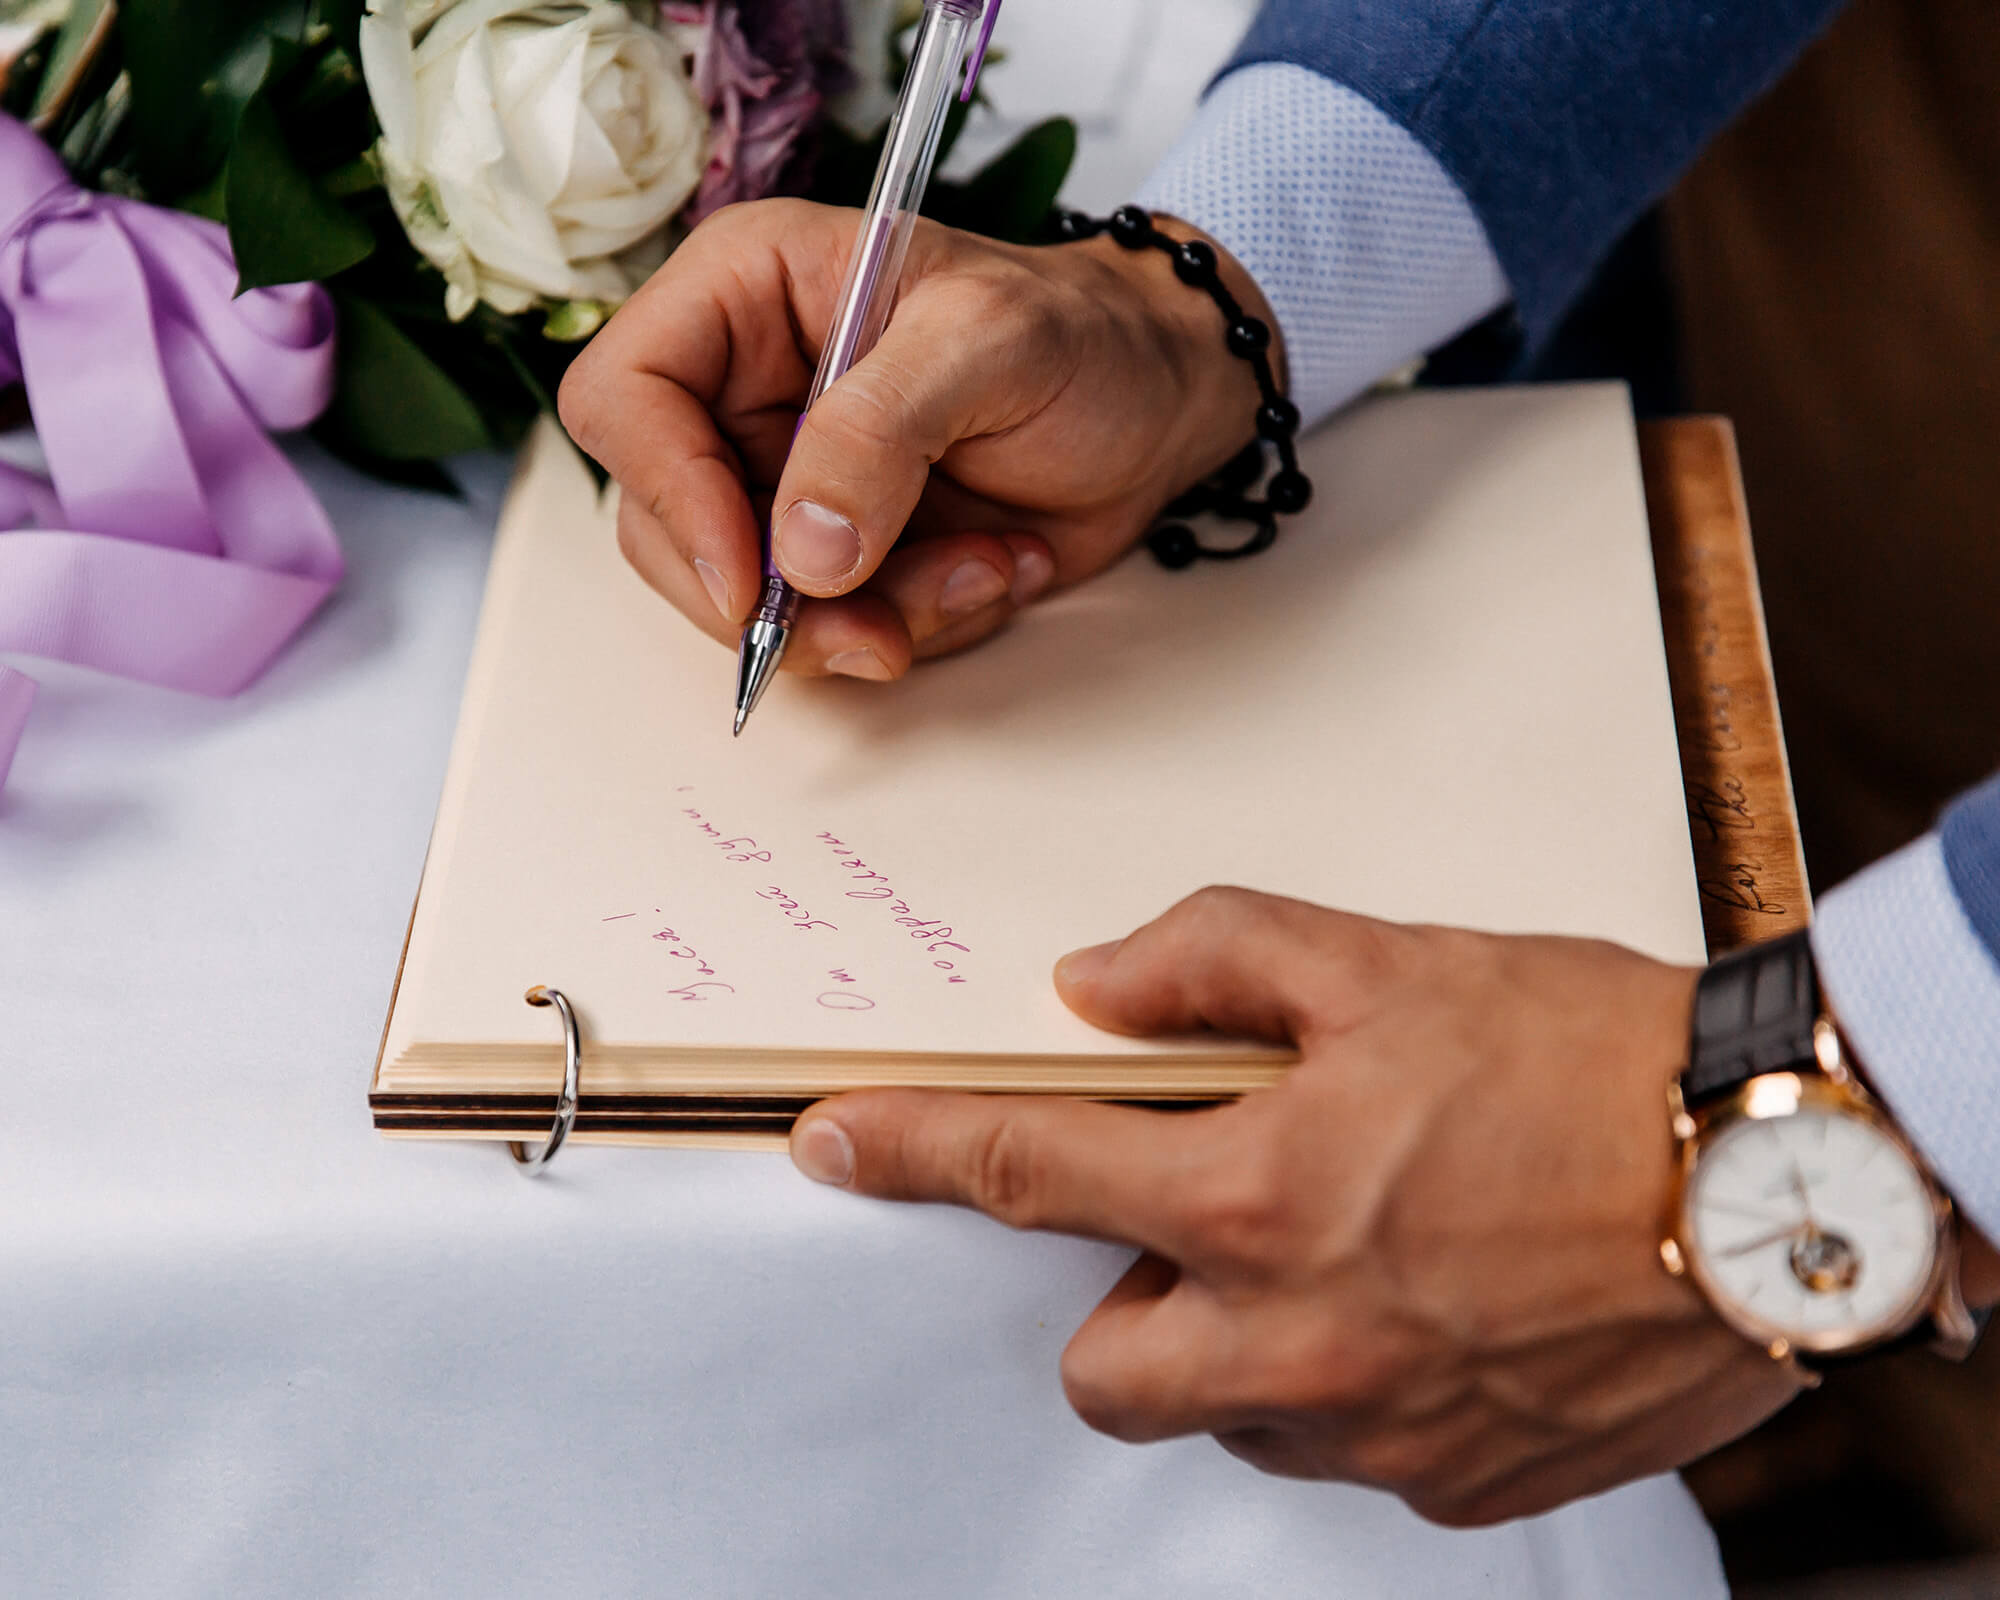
(877, 262)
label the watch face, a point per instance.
(1813, 1226)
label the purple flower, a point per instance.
(763, 68)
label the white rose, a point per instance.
(533, 152)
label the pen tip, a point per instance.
(742, 716)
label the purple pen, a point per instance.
(909, 151)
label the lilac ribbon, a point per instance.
(173, 542)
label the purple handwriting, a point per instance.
(933, 933)
(696, 991)
(739, 847)
(845, 998)
(680, 949)
(798, 916)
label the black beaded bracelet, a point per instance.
(1227, 492)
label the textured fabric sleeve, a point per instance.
(1970, 838)
(1917, 990)
(1560, 120)
(1365, 248)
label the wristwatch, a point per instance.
(1804, 1215)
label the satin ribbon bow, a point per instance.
(172, 542)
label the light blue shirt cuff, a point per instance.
(1367, 251)
(1917, 992)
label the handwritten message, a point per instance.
(702, 984)
(933, 933)
(803, 886)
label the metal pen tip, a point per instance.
(757, 661)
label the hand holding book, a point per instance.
(1393, 1266)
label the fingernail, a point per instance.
(972, 585)
(1080, 966)
(718, 589)
(1033, 573)
(824, 1153)
(816, 544)
(862, 663)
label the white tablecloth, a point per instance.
(248, 1348)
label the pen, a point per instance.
(908, 152)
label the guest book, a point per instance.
(1441, 697)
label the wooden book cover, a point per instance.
(1442, 696)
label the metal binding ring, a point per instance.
(566, 1105)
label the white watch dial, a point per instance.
(1815, 1224)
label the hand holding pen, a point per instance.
(874, 270)
(1024, 415)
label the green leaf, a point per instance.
(194, 65)
(426, 475)
(392, 401)
(283, 227)
(210, 199)
(358, 176)
(1011, 196)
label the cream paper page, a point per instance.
(1442, 696)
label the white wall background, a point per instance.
(1128, 71)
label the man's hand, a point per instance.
(1024, 416)
(1426, 1260)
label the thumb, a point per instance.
(1030, 1161)
(864, 450)
(1223, 960)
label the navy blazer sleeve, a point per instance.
(1562, 120)
(1970, 837)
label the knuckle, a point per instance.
(1027, 317)
(1375, 953)
(1322, 1377)
(863, 419)
(988, 301)
(1007, 1174)
(1243, 1210)
(633, 535)
(1213, 914)
(643, 542)
(725, 229)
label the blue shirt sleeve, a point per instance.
(1560, 120)
(1914, 978)
(1362, 243)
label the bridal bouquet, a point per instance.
(476, 183)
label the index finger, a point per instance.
(1031, 1161)
(695, 385)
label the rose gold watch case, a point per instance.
(1835, 1089)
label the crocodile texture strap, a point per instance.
(1753, 1012)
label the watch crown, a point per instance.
(1672, 1259)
